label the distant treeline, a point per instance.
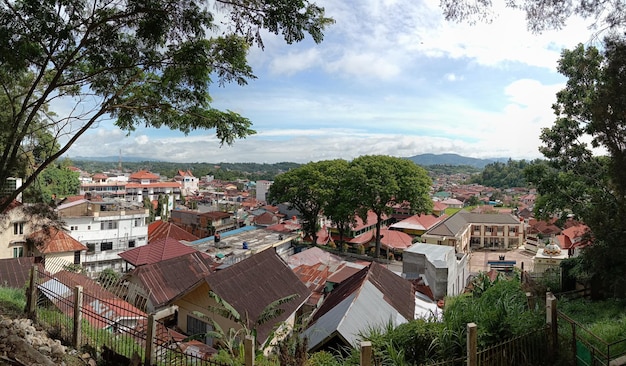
(497, 174)
(503, 175)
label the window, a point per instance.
(18, 228)
(198, 327)
(138, 222)
(88, 227)
(18, 252)
(131, 243)
(91, 248)
(489, 229)
(106, 245)
(108, 225)
(77, 257)
(73, 228)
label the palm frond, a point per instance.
(273, 310)
(224, 309)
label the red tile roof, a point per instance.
(156, 251)
(154, 185)
(143, 174)
(52, 240)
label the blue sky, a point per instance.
(391, 77)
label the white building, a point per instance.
(262, 187)
(443, 270)
(189, 183)
(106, 228)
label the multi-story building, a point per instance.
(465, 230)
(10, 186)
(203, 224)
(262, 187)
(107, 228)
(144, 184)
(190, 184)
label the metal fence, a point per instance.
(97, 321)
(529, 349)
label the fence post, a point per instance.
(248, 346)
(551, 321)
(366, 353)
(530, 299)
(150, 336)
(78, 316)
(32, 294)
(472, 345)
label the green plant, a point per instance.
(323, 358)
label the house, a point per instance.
(189, 184)
(417, 225)
(158, 250)
(14, 228)
(203, 224)
(464, 230)
(373, 297)
(440, 268)
(453, 203)
(362, 231)
(55, 248)
(574, 238)
(249, 287)
(163, 230)
(156, 285)
(538, 232)
(107, 227)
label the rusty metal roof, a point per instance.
(156, 251)
(167, 279)
(15, 272)
(161, 229)
(53, 240)
(254, 283)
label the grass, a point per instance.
(604, 319)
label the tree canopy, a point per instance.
(137, 62)
(501, 175)
(380, 182)
(309, 189)
(541, 15)
(586, 151)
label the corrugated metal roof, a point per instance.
(252, 284)
(167, 279)
(371, 297)
(15, 272)
(52, 240)
(161, 229)
(159, 250)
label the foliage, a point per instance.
(541, 15)
(230, 339)
(379, 182)
(309, 189)
(138, 63)
(323, 358)
(444, 169)
(501, 175)
(575, 180)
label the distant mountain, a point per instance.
(113, 159)
(452, 159)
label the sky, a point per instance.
(391, 77)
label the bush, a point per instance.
(322, 358)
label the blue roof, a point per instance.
(224, 234)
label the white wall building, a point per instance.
(106, 228)
(443, 270)
(262, 187)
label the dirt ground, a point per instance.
(479, 259)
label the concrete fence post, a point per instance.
(366, 353)
(150, 338)
(78, 316)
(551, 321)
(472, 345)
(32, 294)
(248, 346)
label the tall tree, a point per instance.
(308, 189)
(380, 182)
(586, 150)
(541, 15)
(138, 62)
